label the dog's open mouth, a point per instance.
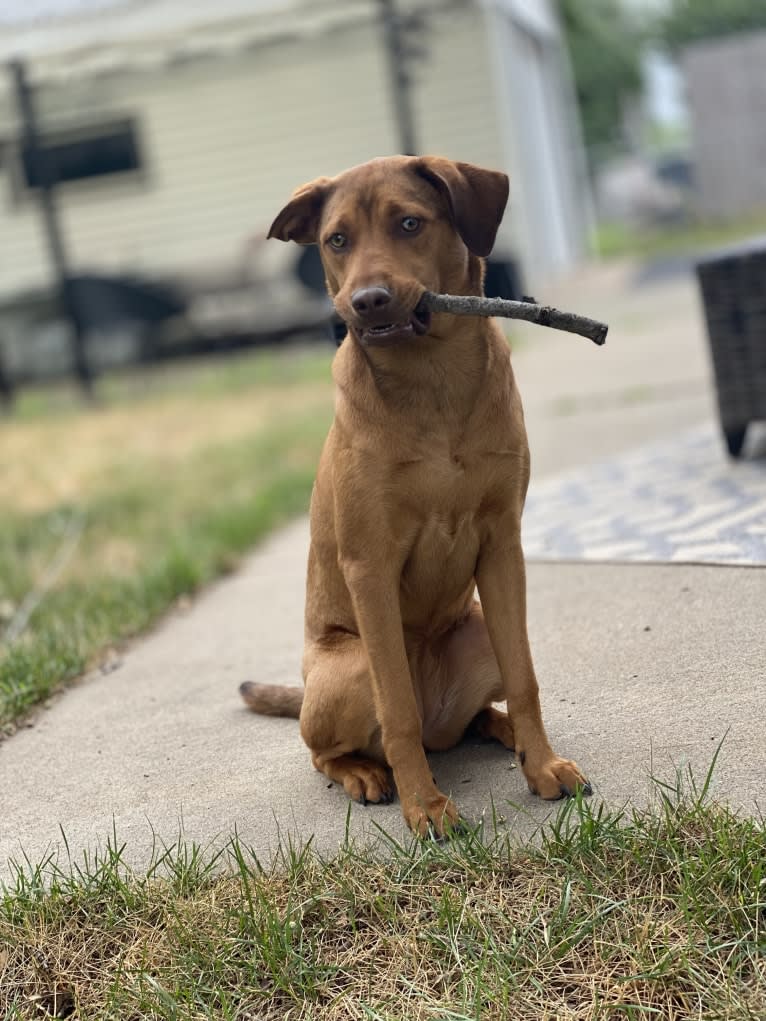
(390, 333)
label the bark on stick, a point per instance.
(543, 315)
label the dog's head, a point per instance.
(392, 229)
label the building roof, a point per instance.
(79, 38)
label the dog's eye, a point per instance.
(410, 224)
(337, 241)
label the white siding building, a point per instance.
(229, 105)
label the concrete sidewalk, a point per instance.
(642, 668)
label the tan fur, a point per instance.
(418, 499)
(272, 699)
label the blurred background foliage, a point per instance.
(607, 39)
(604, 39)
(689, 21)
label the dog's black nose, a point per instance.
(367, 300)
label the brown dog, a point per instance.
(418, 497)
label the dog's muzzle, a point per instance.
(379, 319)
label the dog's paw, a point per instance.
(436, 815)
(555, 778)
(369, 784)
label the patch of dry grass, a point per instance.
(110, 513)
(660, 914)
(52, 459)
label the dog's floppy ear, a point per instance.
(476, 198)
(299, 220)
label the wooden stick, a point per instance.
(543, 315)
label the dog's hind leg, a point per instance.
(363, 779)
(494, 725)
(339, 724)
(461, 682)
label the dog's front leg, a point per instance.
(374, 589)
(501, 579)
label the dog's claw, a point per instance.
(558, 797)
(567, 792)
(385, 799)
(461, 828)
(555, 779)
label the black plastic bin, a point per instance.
(733, 284)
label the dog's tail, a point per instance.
(272, 699)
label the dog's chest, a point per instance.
(445, 529)
(439, 569)
(444, 490)
(444, 543)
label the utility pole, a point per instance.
(402, 44)
(43, 173)
(6, 386)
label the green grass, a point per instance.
(214, 461)
(616, 239)
(213, 377)
(608, 915)
(658, 913)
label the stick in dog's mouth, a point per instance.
(471, 305)
(542, 315)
